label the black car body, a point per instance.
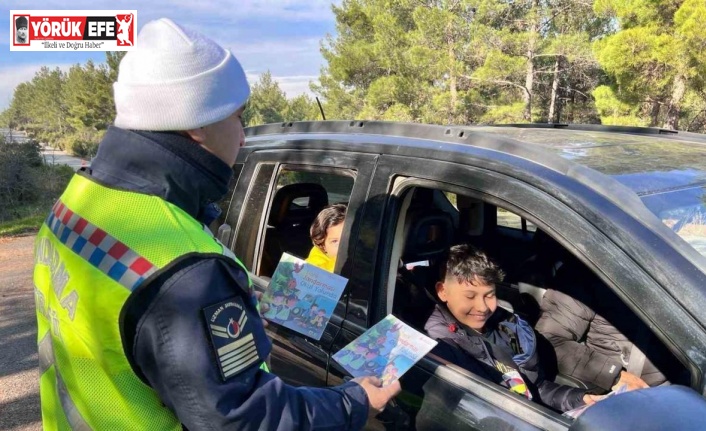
(629, 203)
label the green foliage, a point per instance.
(441, 62)
(82, 143)
(69, 110)
(269, 104)
(655, 62)
(22, 225)
(614, 111)
(504, 114)
(27, 185)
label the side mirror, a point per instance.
(653, 409)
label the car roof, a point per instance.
(646, 160)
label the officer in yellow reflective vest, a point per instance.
(145, 320)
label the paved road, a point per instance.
(19, 378)
(51, 155)
(58, 157)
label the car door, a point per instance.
(299, 360)
(439, 395)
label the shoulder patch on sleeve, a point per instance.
(232, 337)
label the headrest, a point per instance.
(282, 203)
(429, 235)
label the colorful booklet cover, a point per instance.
(301, 296)
(387, 350)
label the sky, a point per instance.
(282, 36)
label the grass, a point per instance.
(22, 226)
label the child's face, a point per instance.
(470, 304)
(277, 300)
(291, 302)
(333, 239)
(22, 32)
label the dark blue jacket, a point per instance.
(507, 339)
(165, 335)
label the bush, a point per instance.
(82, 144)
(28, 187)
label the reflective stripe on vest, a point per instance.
(96, 247)
(100, 249)
(46, 360)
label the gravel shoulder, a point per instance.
(19, 377)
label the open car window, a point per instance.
(300, 193)
(534, 263)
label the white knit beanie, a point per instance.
(177, 79)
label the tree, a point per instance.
(36, 108)
(88, 95)
(302, 108)
(267, 102)
(654, 60)
(371, 71)
(461, 61)
(68, 110)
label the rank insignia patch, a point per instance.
(231, 336)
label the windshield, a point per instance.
(683, 211)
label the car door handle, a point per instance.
(393, 417)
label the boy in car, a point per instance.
(474, 333)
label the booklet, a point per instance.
(387, 350)
(301, 296)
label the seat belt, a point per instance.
(637, 357)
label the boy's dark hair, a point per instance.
(467, 263)
(329, 216)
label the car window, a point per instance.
(513, 221)
(683, 211)
(224, 203)
(453, 199)
(338, 185)
(300, 193)
(532, 263)
(448, 407)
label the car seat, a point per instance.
(294, 208)
(429, 234)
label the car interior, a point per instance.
(299, 197)
(431, 221)
(294, 208)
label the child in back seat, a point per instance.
(325, 233)
(474, 333)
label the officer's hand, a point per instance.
(378, 396)
(590, 400)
